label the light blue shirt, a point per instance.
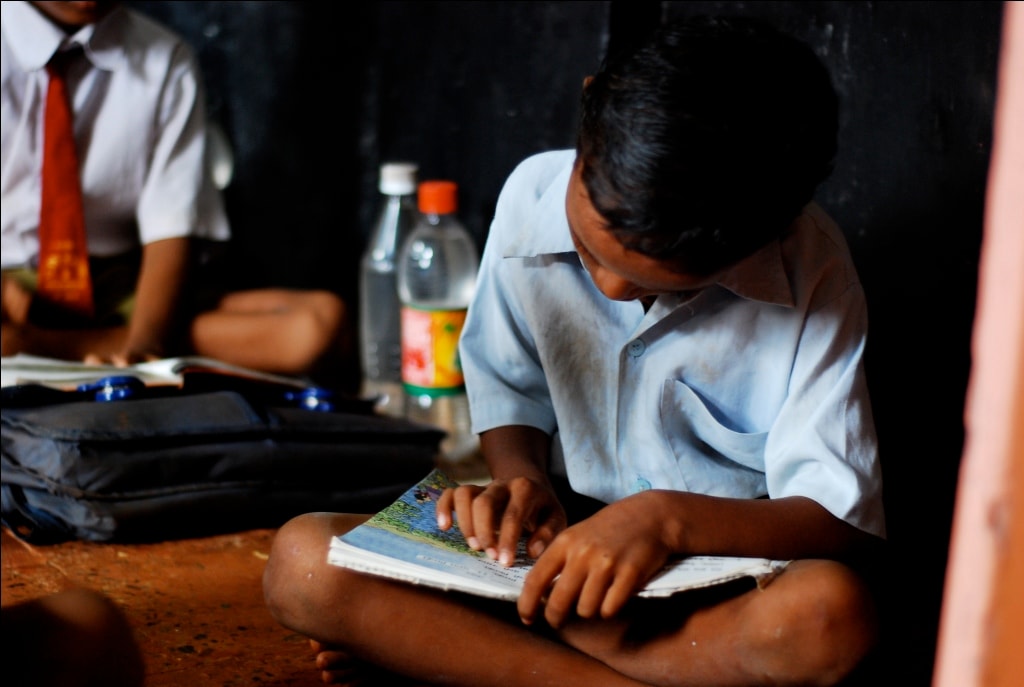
(752, 387)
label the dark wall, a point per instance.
(314, 97)
(467, 89)
(287, 82)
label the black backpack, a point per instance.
(197, 460)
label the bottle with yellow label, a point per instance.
(437, 272)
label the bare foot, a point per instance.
(339, 668)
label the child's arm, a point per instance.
(594, 567)
(519, 498)
(161, 283)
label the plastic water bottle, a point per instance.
(379, 328)
(438, 267)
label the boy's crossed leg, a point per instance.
(810, 625)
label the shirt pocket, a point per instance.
(710, 457)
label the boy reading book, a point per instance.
(667, 329)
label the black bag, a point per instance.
(180, 465)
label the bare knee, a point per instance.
(297, 554)
(77, 636)
(317, 331)
(298, 582)
(825, 624)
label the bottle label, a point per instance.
(430, 351)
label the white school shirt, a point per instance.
(754, 387)
(140, 125)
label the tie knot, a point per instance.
(62, 59)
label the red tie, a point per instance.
(63, 253)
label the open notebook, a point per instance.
(403, 542)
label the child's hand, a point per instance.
(136, 348)
(16, 301)
(122, 358)
(493, 518)
(595, 566)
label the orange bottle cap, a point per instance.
(438, 197)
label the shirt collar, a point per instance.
(548, 213)
(761, 276)
(35, 39)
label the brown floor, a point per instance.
(196, 605)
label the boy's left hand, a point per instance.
(595, 566)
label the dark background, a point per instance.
(314, 96)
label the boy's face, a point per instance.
(74, 15)
(619, 273)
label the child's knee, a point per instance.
(317, 331)
(329, 307)
(77, 634)
(828, 624)
(295, 580)
(842, 609)
(293, 553)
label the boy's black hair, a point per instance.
(704, 143)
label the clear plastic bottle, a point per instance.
(437, 273)
(379, 307)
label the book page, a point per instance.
(69, 374)
(404, 539)
(403, 542)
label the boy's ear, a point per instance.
(586, 81)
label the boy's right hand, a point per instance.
(495, 516)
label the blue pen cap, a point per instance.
(114, 388)
(311, 398)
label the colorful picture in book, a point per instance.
(414, 515)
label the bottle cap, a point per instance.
(398, 178)
(438, 197)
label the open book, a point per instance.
(68, 374)
(403, 542)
